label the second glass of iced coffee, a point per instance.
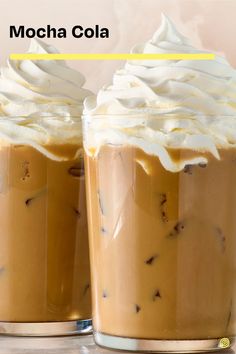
(161, 167)
(44, 261)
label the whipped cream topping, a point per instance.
(41, 102)
(167, 104)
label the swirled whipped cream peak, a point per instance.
(159, 105)
(41, 102)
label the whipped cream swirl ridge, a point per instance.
(41, 101)
(190, 103)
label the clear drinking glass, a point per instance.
(162, 243)
(44, 262)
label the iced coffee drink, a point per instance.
(44, 262)
(161, 168)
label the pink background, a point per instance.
(210, 24)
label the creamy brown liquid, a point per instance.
(162, 245)
(44, 263)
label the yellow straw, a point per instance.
(113, 56)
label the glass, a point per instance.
(50, 345)
(44, 261)
(162, 243)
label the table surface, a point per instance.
(57, 345)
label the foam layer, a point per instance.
(197, 100)
(41, 101)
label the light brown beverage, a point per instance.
(162, 245)
(44, 263)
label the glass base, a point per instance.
(45, 329)
(162, 346)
